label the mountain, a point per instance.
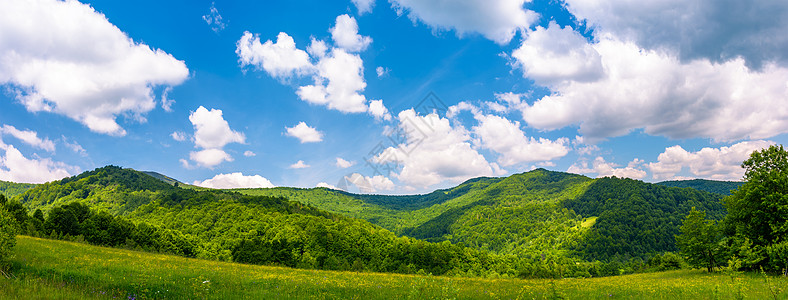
(162, 177)
(10, 189)
(532, 213)
(538, 223)
(711, 186)
(118, 207)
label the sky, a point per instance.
(389, 97)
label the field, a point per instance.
(55, 269)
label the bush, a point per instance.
(8, 230)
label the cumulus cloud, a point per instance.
(378, 110)
(209, 157)
(28, 137)
(364, 6)
(605, 169)
(337, 72)
(722, 163)
(345, 35)
(338, 83)
(281, 59)
(166, 104)
(211, 133)
(299, 165)
(381, 71)
(15, 167)
(235, 180)
(652, 90)
(497, 20)
(328, 186)
(211, 130)
(304, 133)
(431, 150)
(344, 164)
(248, 153)
(700, 29)
(554, 54)
(178, 136)
(214, 19)
(72, 61)
(368, 185)
(506, 138)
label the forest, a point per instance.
(535, 224)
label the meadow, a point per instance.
(49, 269)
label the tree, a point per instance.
(700, 240)
(8, 232)
(758, 210)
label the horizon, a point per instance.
(388, 97)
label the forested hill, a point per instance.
(118, 207)
(10, 189)
(711, 186)
(532, 213)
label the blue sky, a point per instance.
(328, 93)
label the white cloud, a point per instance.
(211, 130)
(337, 73)
(235, 180)
(15, 167)
(722, 163)
(506, 138)
(497, 20)
(317, 48)
(378, 110)
(434, 151)
(212, 133)
(605, 169)
(699, 29)
(72, 61)
(178, 136)
(29, 137)
(550, 56)
(214, 19)
(299, 165)
(655, 91)
(345, 35)
(248, 153)
(364, 6)
(166, 104)
(381, 71)
(344, 164)
(338, 83)
(281, 59)
(328, 186)
(304, 133)
(74, 146)
(209, 158)
(373, 184)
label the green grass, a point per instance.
(50, 269)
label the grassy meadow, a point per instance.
(50, 269)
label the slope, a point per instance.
(10, 189)
(711, 186)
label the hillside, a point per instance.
(10, 189)
(711, 186)
(529, 214)
(126, 208)
(47, 269)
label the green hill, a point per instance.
(125, 208)
(711, 186)
(529, 214)
(47, 269)
(10, 189)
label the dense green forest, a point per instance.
(711, 186)
(10, 189)
(534, 224)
